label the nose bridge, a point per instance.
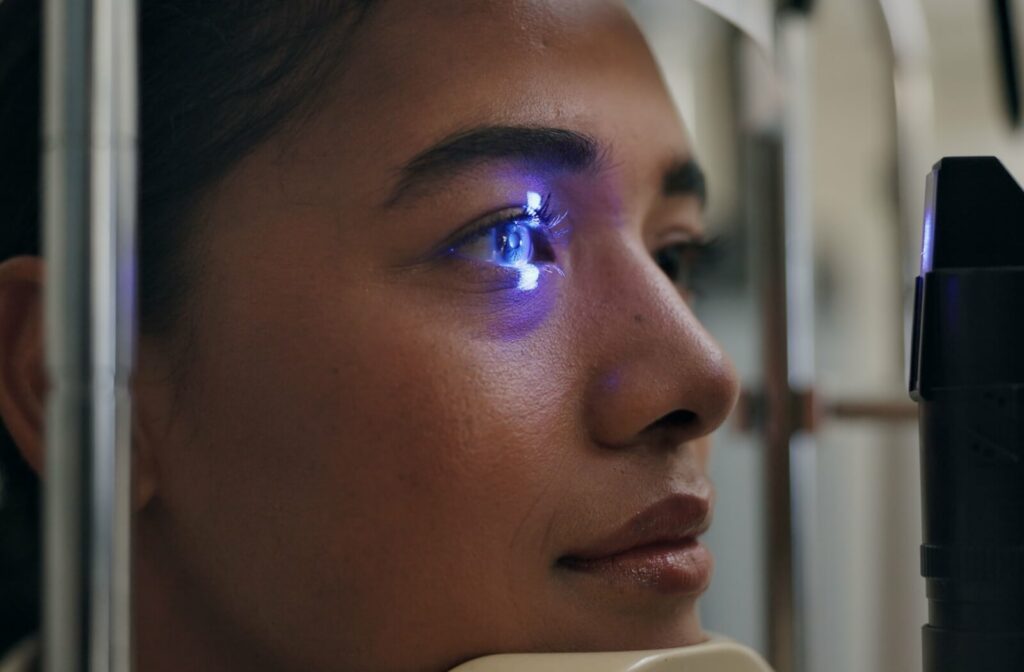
(652, 358)
(640, 306)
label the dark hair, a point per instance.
(218, 77)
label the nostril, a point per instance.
(676, 420)
(672, 428)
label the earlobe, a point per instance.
(23, 383)
(144, 462)
(153, 413)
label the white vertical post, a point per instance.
(793, 49)
(89, 245)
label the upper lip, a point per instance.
(673, 519)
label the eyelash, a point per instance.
(540, 223)
(681, 261)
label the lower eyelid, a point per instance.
(486, 278)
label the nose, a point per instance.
(657, 377)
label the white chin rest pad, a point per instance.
(713, 656)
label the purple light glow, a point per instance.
(528, 277)
(928, 234)
(533, 202)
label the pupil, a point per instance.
(513, 246)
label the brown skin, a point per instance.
(374, 462)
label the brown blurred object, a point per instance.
(808, 411)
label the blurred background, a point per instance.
(817, 123)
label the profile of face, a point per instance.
(441, 399)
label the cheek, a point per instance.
(347, 453)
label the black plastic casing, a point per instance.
(967, 373)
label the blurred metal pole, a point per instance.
(915, 134)
(798, 129)
(88, 210)
(790, 471)
(774, 407)
(125, 142)
(913, 155)
(780, 613)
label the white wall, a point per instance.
(868, 603)
(866, 596)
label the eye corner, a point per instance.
(682, 257)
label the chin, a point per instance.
(641, 633)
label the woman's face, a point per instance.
(435, 370)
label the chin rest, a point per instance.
(717, 655)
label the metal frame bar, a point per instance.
(89, 206)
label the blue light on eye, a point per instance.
(513, 244)
(519, 243)
(528, 277)
(533, 203)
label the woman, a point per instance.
(416, 380)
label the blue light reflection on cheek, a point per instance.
(526, 307)
(529, 275)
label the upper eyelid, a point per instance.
(487, 223)
(680, 234)
(694, 242)
(466, 232)
(509, 214)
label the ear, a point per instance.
(23, 381)
(153, 412)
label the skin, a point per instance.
(373, 458)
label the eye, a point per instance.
(513, 238)
(681, 262)
(513, 244)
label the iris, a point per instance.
(516, 240)
(510, 244)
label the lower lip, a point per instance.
(677, 568)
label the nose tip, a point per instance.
(684, 408)
(678, 388)
(657, 376)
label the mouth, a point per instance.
(658, 549)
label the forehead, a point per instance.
(406, 43)
(418, 71)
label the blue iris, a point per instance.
(507, 244)
(513, 244)
(518, 240)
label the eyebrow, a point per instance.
(557, 149)
(685, 177)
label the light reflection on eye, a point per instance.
(533, 203)
(519, 241)
(508, 244)
(528, 277)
